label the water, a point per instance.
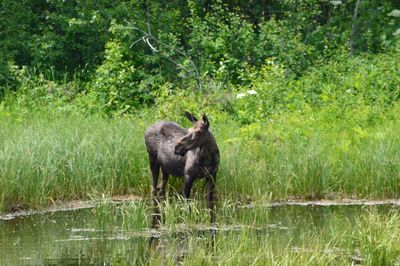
(79, 237)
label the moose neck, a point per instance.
(209, 147)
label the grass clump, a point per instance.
(377, 237)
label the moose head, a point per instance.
(197, 136)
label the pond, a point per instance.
(255, 234)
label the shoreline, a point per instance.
(88, 204)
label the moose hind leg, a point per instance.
(155, 171)
(162, 193)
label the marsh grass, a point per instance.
(377, 237)
(308, 158)
(44, 159)
(263, 235)
(372, 240)
(51, 157)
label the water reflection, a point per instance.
(159, 247)
(178, 245)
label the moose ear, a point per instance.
(206, 122)
(191, 117)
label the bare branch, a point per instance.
(146, 39)
(148, 35)
(138, 40)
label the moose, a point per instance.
(189, 153)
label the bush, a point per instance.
(41, 90)
(116, 86)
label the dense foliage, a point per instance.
(118, 57)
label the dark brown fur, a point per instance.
(191, 154)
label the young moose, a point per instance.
(191, 154)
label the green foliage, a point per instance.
(222, 42)
(268, 93)
(342, 85)
(16, 30)
(350, 83)
(38, 90)
(128, 51)
(283, 42)
(374, 234)
(70, 35)
(48, 156)
(116, 84)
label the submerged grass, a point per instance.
(263, 235)
(45, 158)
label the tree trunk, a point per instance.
(353, 27)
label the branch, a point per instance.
(147, 36)
(149, 44)
(138, 40)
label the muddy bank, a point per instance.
(77, 205)
(66, 206)
(330, 202)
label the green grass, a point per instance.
(50, 157)
(45, 158)
(307, 157)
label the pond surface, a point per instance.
(77, 237)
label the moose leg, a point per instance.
(210, 196)
(163, 184)
(187, 186)
(155, 171)
(162, 192)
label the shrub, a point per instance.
(116, 86)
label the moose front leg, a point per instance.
(187, 186)
(210, 196)
(164, 181)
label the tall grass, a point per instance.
(49, 157)
(45, 158)
(308, 157)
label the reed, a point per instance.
(58, 157)
(45, 159)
